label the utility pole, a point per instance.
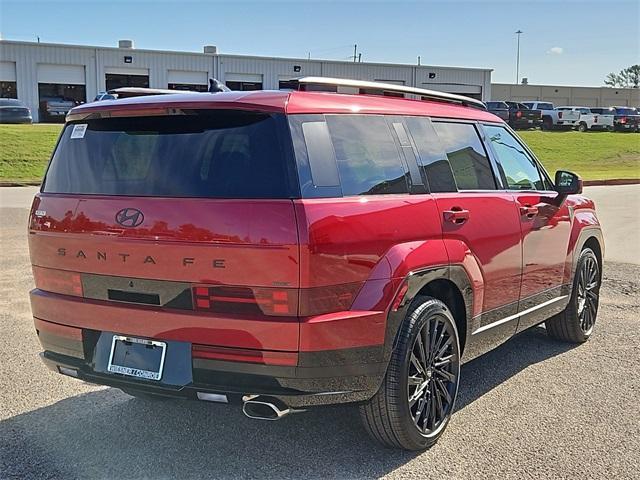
(360, 57)
(519, 32)
(418, 60)
(355, 53)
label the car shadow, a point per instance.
(106, 434)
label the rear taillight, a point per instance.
(559, 114)
(58, 281)
(275, 301)
(518, 114)
(623, 120)
(246, 300)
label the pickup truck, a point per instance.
(515, 114)
(54, 109)
(589, 120)
(552, 118)
(624, 118)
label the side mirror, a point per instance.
(568, 183)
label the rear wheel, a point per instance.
(582, 127)
(547, 123)
(415, 402)
(575, 324)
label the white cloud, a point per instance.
(555, 51)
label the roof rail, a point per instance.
(390, 87)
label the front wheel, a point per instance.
(582, 127)
(415, 402)
(575, 324)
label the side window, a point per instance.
(367, 156)
(468, 159)
(432, 158)
(519, 168)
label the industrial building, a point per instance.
(38, 72)
(563, 95)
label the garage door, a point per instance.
(7, 71)
(63, 74)
(187, 77)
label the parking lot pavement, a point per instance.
(533, 408)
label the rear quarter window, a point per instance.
(367, 156)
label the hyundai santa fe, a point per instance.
(284, 250)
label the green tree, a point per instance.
(628, 77)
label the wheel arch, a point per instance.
(449, 284)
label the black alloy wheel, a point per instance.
(577, 321)
(417, 397)
(432, 378)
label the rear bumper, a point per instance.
(339, 373)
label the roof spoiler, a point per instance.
(421, 93)
(215, 86)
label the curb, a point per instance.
(614, 181)
(26, 183)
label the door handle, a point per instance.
(456, 215)
(528, 211)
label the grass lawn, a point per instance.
(25, 151)
(592, 155)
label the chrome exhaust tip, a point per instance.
(265, 408)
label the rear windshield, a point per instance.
(545, 106)
(626, 111)
(220, 154)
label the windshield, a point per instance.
(9, 102)
(220, 154)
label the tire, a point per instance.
(412, 408)
(575, 324)
(582, 127)
(547, 124)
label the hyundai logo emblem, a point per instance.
(129, 217)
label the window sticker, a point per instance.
(79, 130)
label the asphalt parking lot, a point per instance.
(533, 408)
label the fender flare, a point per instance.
(413, 283)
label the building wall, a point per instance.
(28, 57)
(578, 96)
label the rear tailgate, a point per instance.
(126, 213)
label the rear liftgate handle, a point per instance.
(456, 215)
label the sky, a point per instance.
(563, 42)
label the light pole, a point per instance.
(519, 32)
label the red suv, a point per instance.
(282, 250)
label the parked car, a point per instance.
(54, 109)
(589, 120)
(624, 118)
(552, 118)
(104, 96)
(515, 114)
(283, 250)
(14, 111)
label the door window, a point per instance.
(519, 168)
(467, 157)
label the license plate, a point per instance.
(137, 357)
(530, 121)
